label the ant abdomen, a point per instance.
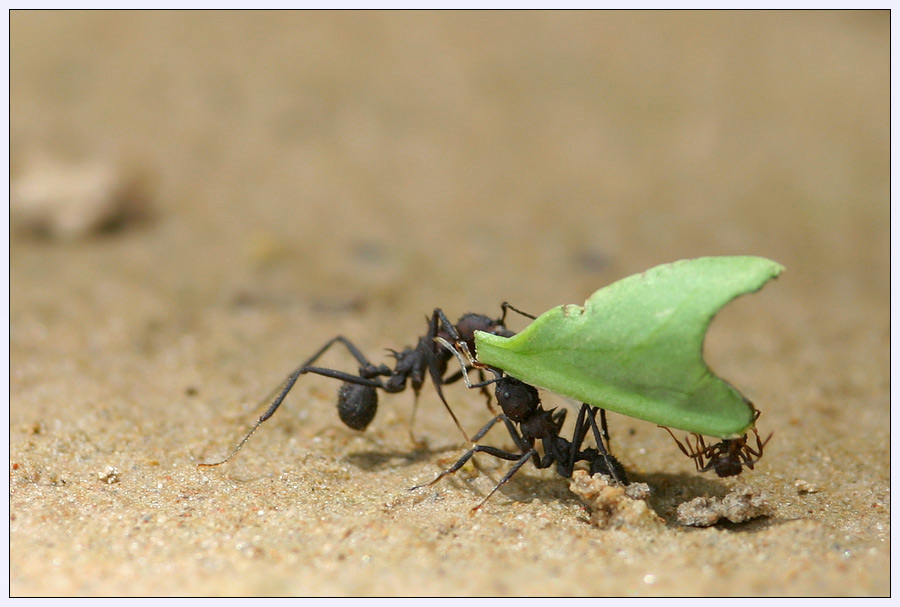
(727, 468)
(357, 405)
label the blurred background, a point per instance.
(391, 154)
(200, 199)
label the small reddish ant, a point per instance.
(726, 457)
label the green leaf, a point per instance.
(636, 347)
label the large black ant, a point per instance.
(358, 396)
(727, 457)
(521, 405)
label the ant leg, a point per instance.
(485, 391)
(332, 373)
(484, 430)
(701, 451)
(559, 418)
(437, 381)
(506, 306)
(482, 382)
(341, 375)
(521, 442)
(567, 453)
(354, 379)
(521, 462)
(601, 436)
(487, 427)
(452, 379)
(466, 366)
(528, 451)
(694, 453)
(678, 442)
(437, 378)
(747, 453)
(292, 379)
(566, 459)
(468, 455)
(605, 428)
(605, 450)
(760, 445)
(412, 421)
(306, 368)
(464, 373)
(438, 315)
(357, 354)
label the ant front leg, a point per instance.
(748, 454)
(520, 460)
(612, 465)
(760, 445)
(527, 448)
(567, 452)
(427, 355)
(685, 450)
(697, 452)
(439, 318)
(468, 455)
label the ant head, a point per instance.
(357, 405)
(517, 399)
(469, 323)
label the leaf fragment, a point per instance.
(636, 346)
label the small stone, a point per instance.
(109, 475)
(613, 505)
(744, 504)
(804, 486)
(699, 512)
(67, 201)
(738, 506)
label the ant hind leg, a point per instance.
(306, 368)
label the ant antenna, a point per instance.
(506, 306)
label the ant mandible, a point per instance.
(727, 457)
(358, 396)
(521, 405)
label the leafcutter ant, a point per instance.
(727, 457)
(357, 400)
(521, 406)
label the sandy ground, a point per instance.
(309, 175)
